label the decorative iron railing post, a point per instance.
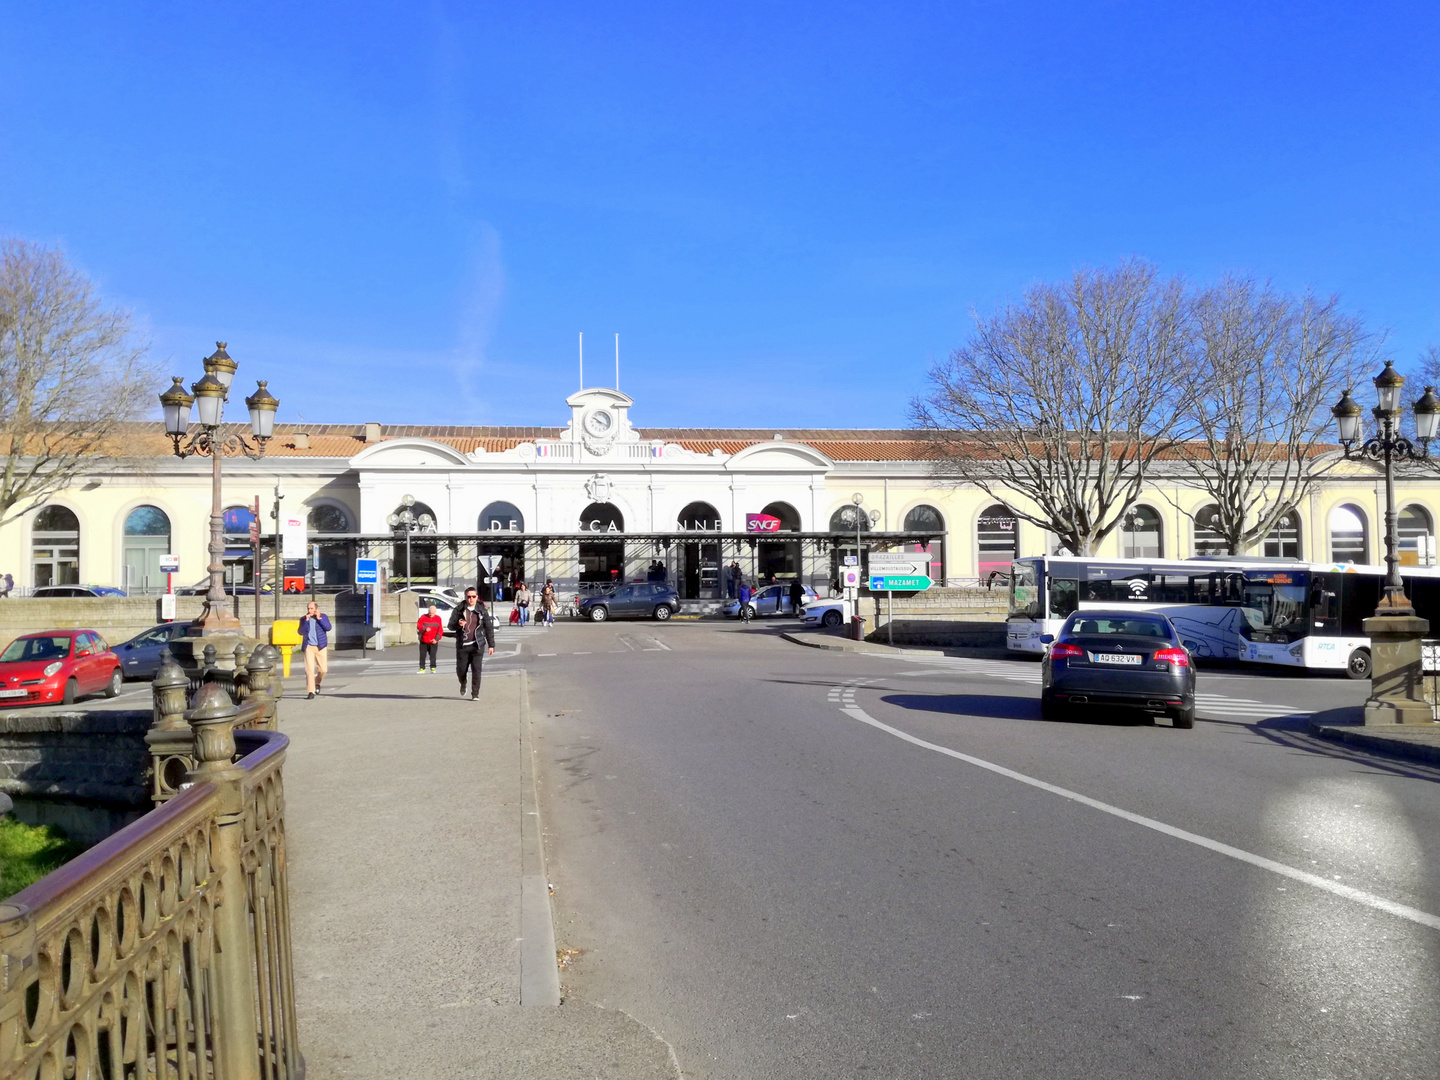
(170, 739)
(277, 688)
(213, 723)
(259, 680)
(240, 676)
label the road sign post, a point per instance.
(367, 573)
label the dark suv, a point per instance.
(641, 600)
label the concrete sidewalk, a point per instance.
(1416, 742)
(406, 816)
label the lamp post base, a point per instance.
(1397, 680)
(216, 619)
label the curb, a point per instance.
(1419, 744)
(539, 975)
(869, 648)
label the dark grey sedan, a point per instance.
(1127, 658)
(140, 656)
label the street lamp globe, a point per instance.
(1387, 389)
(210, 399)
(394, 520)
(408, 501)
(221, 366)
(262, 405)
(426, 523)
(1427, 415)
(176, 404)
(857, 498)
(1347, 418)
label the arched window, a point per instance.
(698, 517)
(239, 557)
(928, 519)
(996, 541)
(147, 538)
(849, 518)
(1349, 535)
(337, 561)
(603, 518)
(423, 559)
(1284, 539)
(327, 518)
(55, 547)
(1141, 534)
(1415, 535)
(1208, 540)
(501, 517)
(788, 515)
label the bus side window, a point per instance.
(1200, 591)
(1227, 588)
(1064, 597)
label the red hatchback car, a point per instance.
(57, 665)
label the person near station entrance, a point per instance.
(797, 596)
(732, 580)
(429, 629)
(744, 591)
(522, 602)
(471, 625)
(314, 630)
(548, 603)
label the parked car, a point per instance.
(57, 665)
(140, 656)
(771, 600)
(202, 588)
(72, 591)
(444, 604)
(1127, 658)
(641, 600)
(827, 613)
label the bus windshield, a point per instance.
(1025, 580)
(1276, 601)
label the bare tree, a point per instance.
(1267, 367)
(71, 372)
(1059, 405)
(1429, 370)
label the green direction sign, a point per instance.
(899, 582)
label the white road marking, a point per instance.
(660, 646)
(1359, 896)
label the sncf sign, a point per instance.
(761, 523)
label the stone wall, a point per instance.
(963, 617)
(119, 618)
(83, 771)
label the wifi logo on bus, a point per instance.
(1137, 587)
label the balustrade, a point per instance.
(165, 950)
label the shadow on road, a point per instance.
(1006, 707)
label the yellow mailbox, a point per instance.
(285, 636)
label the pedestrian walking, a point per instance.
(548, 602)
(9, 584)
(797, 596)
(522, 602)
(430, 629)
(315, 635)
(744, 600)
(471, 624)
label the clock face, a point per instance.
(598, 422)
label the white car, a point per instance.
(829, 613)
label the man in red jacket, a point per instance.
(430, 630)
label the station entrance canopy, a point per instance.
(700, 564)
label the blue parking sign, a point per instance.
(367, 571)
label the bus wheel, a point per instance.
(1358, 666)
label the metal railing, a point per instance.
(164, 951)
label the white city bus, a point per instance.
(1311, 615)
(1264, 611)
(1202, 597)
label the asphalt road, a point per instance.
(792, 863)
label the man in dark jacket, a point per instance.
(470, 623)
(797, 596)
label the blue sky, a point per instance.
(405, 213)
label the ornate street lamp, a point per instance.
(407, 519)
(208, 397)
(1388, 445)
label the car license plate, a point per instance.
(1116, 658)
(14, 693)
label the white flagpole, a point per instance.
(617, 361)
(582, 359)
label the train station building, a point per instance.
(597, 499)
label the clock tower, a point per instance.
(599, 420)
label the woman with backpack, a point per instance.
(429, 629)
